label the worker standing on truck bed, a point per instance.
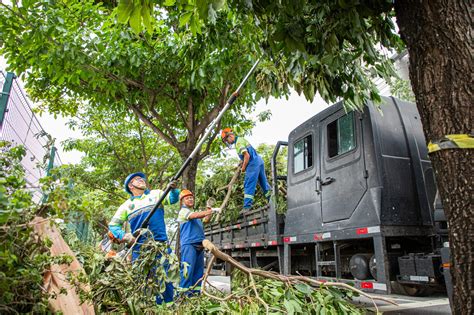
(191, 237)
(252, 166)
(135, 210)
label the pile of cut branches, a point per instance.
(118, 286)
(269, 292)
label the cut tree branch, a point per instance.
(291, 280)
(229, 191)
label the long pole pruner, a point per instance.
(229, 103)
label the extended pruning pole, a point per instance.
(198, 146)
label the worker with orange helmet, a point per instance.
(191, 237)
(252, 166)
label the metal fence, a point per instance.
(20, 126)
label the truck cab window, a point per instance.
(341, 135)
(303, 154)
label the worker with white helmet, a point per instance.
(134, 210)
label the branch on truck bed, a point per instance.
(283, 191)
(250, 272)
(229, 191)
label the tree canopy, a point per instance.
(73, 55)
(334, 48)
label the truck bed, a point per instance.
(251, 229)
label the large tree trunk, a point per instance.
(438, 35)
(189, 175)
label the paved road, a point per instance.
(436, 304)
(432, 305)
(221, 283)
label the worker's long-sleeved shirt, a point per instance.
(136, 209)
(241, 146)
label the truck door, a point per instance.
(303, 203)
(343, 181)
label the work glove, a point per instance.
(216, 210)
(128, 238)
(174, 184)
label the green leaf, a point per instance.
(184, 19)
(289, 307)
(309, 92)
(146, 16)
(136, 19)
(195, 25)
(125, 8)
(296, 306)
(304, 288)
(201, 72)
(169, 3)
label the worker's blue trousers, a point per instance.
(193, 255)
(255, 172)
(166, 296)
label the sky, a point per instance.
(286, 116)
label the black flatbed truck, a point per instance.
(362, 205)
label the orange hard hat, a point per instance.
(111, 254)
(225, 132)
(185, 193)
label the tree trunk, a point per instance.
(189, 175)
(438, 35)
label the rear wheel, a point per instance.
(412, 289)
(373, 267)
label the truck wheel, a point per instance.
(413, 289)
(359, 266)
(373, 267)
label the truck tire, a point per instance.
(411, 289)
(359, 266)
(373, 267)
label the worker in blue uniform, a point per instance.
(252, 166)
(135, 210)
(191, 237)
